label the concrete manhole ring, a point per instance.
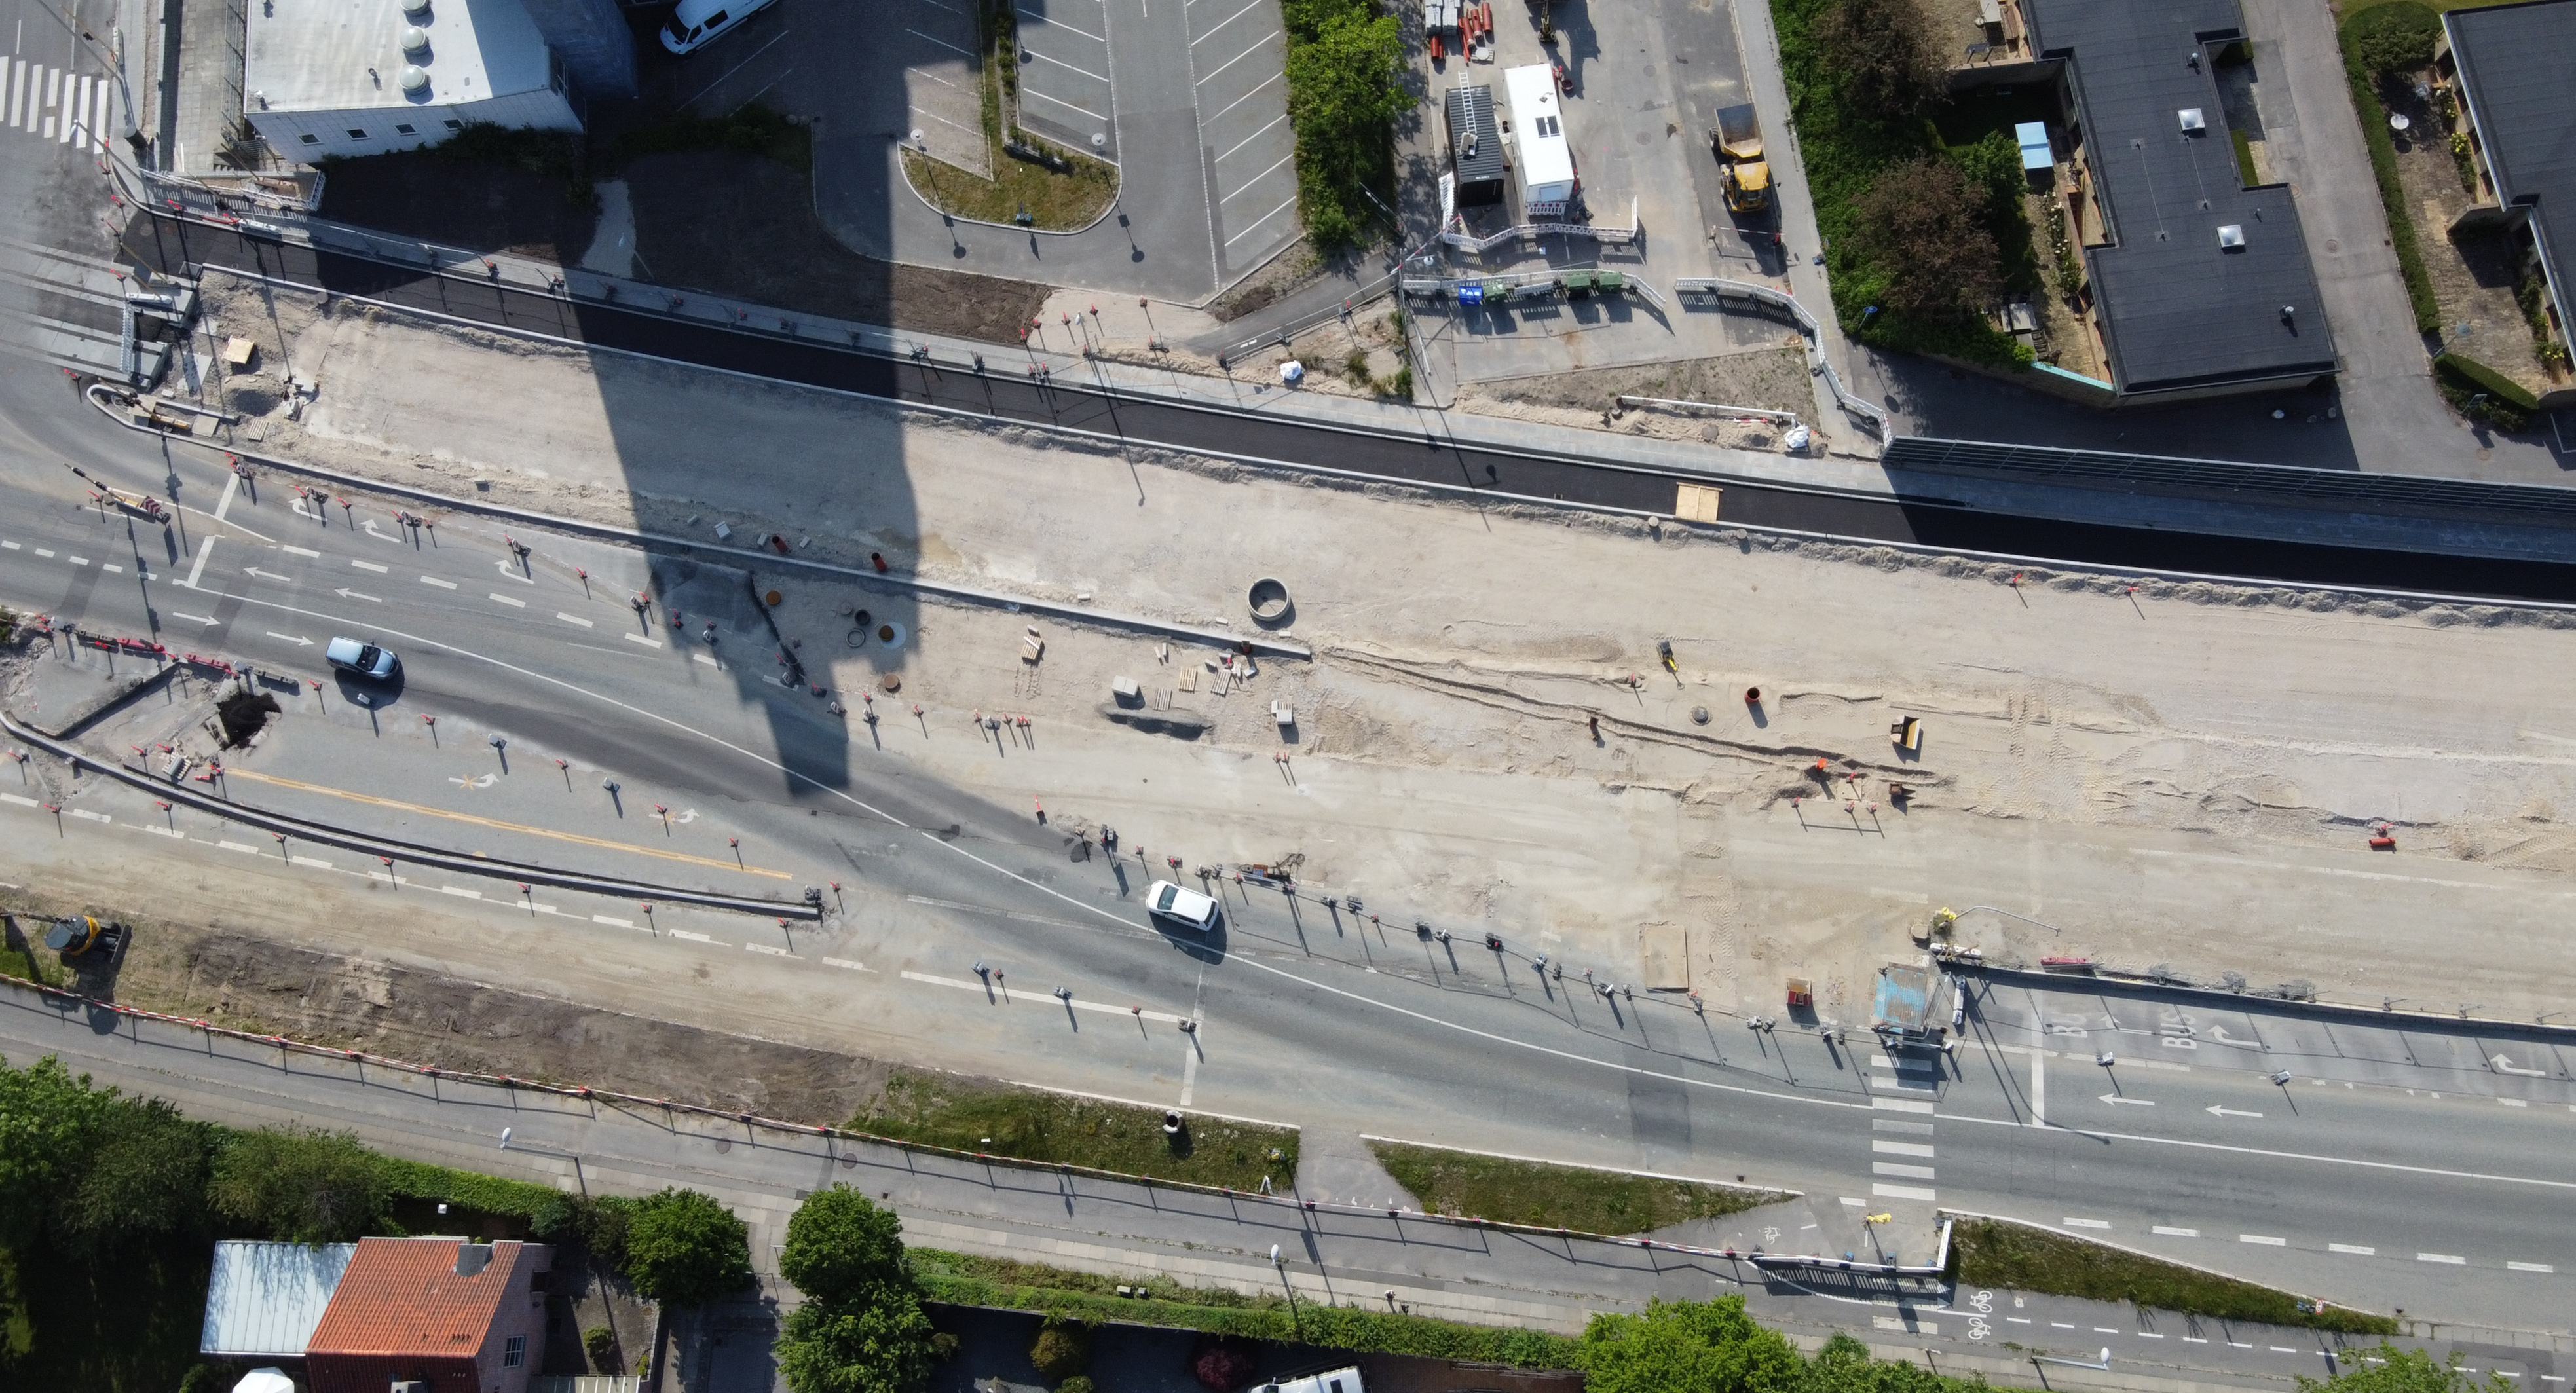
(891, 635)
(858, 638)
(1269, 602)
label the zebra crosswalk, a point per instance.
(54, 104)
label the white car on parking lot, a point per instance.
(697, 23)
(1164, 900)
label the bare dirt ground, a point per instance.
(2178, 773)
(2473, 276)
(1766, 380)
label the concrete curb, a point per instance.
(2155, 1257)
(1267, 647)
(1099, 218)
(382, 847)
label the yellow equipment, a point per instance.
(1738, 142)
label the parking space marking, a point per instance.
(1086, 72)
(1229, 19)
(1228, 63)
(1051, 22)
(1281, 76)
(1041, 96)
(943, 43)
(1256, 135)
(1255, 179)
(1256, 222)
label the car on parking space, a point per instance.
(698, 23)
(1164, 900)
(364, 659)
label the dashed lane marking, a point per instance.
(2529, 1267)
(315, 862)
(504, 599)
(647, 642)
(772, 951)
(571, 618)
(2450, 1258)
(86, 815)
(441, 584)
(111, 570)
(298, 551)
(2262, 1240)
(691, 935)
(2358, 1250)
(498, 825)
(847, 965)
(460, 891)
(2086, 1223)
(2173, 1232)
(369, 566)
(612, 923)
(236, 846)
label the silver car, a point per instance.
(364, 659)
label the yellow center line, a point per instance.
(499, 825)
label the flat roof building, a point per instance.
(2204, 287)
(2511, 66)
(1475, 146)
(264, 1300)
(362, 77)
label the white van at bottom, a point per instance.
(697, 23)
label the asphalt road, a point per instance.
(1314, 1014)
(1329, 1252)
(1432, 458)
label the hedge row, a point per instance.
(2479, 377)
(2392, 191)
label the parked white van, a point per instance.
(697, 23)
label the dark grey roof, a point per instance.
(2178, 309)
(2515, 61)
(1472, 109)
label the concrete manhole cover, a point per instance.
(724, 1144)
(891, 635)
(1699, 715)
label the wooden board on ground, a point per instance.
(1696, 502)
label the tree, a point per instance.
(1686, 1347)
(299, 1185)
(2395, 38)
(686, 1248)
(840, 1244)
(1922, 225)
(1344, 61)
(145, 1176)
(857, 1346)
(1062, 1349)
(1221, 1366)
(46, 1121)
(2395, 1370)
(1883, 56)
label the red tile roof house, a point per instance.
(451, 1315)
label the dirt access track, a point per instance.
(2144, 772)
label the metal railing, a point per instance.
(1720, 289)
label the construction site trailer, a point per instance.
(1547, 160)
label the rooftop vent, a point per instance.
(2232, 236)
(2191, 122)
(415, 78)
(415, 10)
(415, 39)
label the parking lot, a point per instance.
(1064, 72)
(942, 77)
(1238, 53)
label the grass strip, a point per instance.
(2245, 171)
(1992, 1253)
(1557, 1197)
(1034, 1125)
(965, 1280)
(2392, 190)
(1053, 199)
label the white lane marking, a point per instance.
(43, 552)
(77, 560)
(232, 488)
(1900, 1148)
(111, 570)
(9, 546)
(647, 642)
(960, 984)
(2039, 1088)
(315, 862)
(2450, 1258)
(236, 846)
(2106, 1330)
(2262, 1240)
(172, 833)
(460, 891)
(572, 619)
(2508, 1102)
(1902, 1171)
(20, 801)
(2359, 1250)
(765, 948)
(2086, 1223)
(514, 604)
(86, 815)
(205, 549)
(703, 658)
(369, 566)
(613, 923)
(1899, 1105)
(294, 550)
(441, 584)
(2529, 1267)
(847, 965)
(691, 935)
(1189, 1070)
(2187, 1339)
(2285, 1349)
(2173, 1232)
(1904, 1192)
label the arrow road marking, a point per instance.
(265, 575)
(478, 781)
(195, 618)
(513, 573)
(2216, 1111)
(2115, 1099)
(2504, 1065)
(291, 638)
(346, 593)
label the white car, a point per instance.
(364, 659)
(1164, 900)
(697, 23)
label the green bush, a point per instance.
(2462, 381)
(300, 1185)
(1685, 1345)
(1079, 1383)
(2395, 37)
(1344, 93)
(686, 1248)
(2383, 168)
(1063, 1348)
(600, 1343)
(2245, 171)
(861, 1329)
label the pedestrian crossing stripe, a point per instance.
(54, 104)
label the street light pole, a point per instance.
(578, 1177)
